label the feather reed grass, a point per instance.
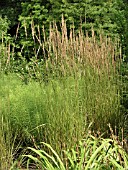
(79, 84)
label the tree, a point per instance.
(103, 16)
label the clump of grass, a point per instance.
(91, 153)
(10, 143)
(9, 146)
(59, 112)
(78, 84)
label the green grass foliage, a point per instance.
(61, 110)
(90, 153)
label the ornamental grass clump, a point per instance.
(91, 62)
(54, 98)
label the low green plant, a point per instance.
(91, 153)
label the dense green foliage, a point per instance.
(107, 16)
(4, 25)
(90, 153)
(103, 16)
